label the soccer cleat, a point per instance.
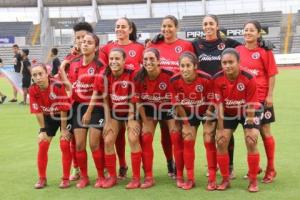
(253, 186)
(99, 183)
(179, 182)
(171, 169)
(83, 182)
(3, 99)
(269, 176)
(188, 185)
(122, 173)
(65, 183)
(75, 174)
(109, 182)
(13, 100)
(259, 172)
(41, 183)
(211, 186)
(133, 184)
(225, 184)
(148, 182)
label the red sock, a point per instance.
(189, 158)
(66, 158)
(110, 163)
(223, 162)
(253, 165)
(120, 147)
(101, 148)
(42, 158)
(147, 153)
(166, 142)
(136, 159)
(81, 157)
(269, 144)
(178, 153)
(98, 159)
(73, 151)
(211, 157)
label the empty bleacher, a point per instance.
(296, 38)
(16, 29)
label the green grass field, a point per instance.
(18, 147)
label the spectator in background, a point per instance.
(147, 42)
(2, 96)
(25, 70)
(17, 66)
(55, 61)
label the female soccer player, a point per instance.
(170, 48)
(236, 99)
(81, 76)
(26, 75)
(153, 102)
(126, 35)
(116, 87)
(50, 104)
(262, 64)
(191, 92)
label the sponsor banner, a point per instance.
(65, 23)
(287, 59)
(7, 39)
(226, 32)
(14, 78)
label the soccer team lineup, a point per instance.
(102, 96)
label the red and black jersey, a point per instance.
(194, 96)
(82, 79)
(153, 91)
(51, 100)
(170, 53)
(209, 53)
(119, 89)
(234, 95)
(134, 54)
(261, 64)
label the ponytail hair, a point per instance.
(142, 73)
(133, 35)
(257, 26)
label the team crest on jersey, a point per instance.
(35, 106)
(268, 115)
(221, 46)
(178, 49)
(52, 96)
(91, 71)
(255, 55)
(256, 120)
(132, 53)
(240, 87)
(124, 84)
(199, 88)
(162, 86)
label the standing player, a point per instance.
(170, 48)
(50, 104)
(262, 64)
(191, 92)
(116, 88)
(26, 75)
(126, 36)
(80, 29)
(17, 67)
(153, 101)
(81, 76)
(236, 99)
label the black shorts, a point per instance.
(232, 122)
(97, 116)
(157, 114)
(52, 123)
(26, 82)
(268, 115)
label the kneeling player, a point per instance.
(236, 99)
(50, 104)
